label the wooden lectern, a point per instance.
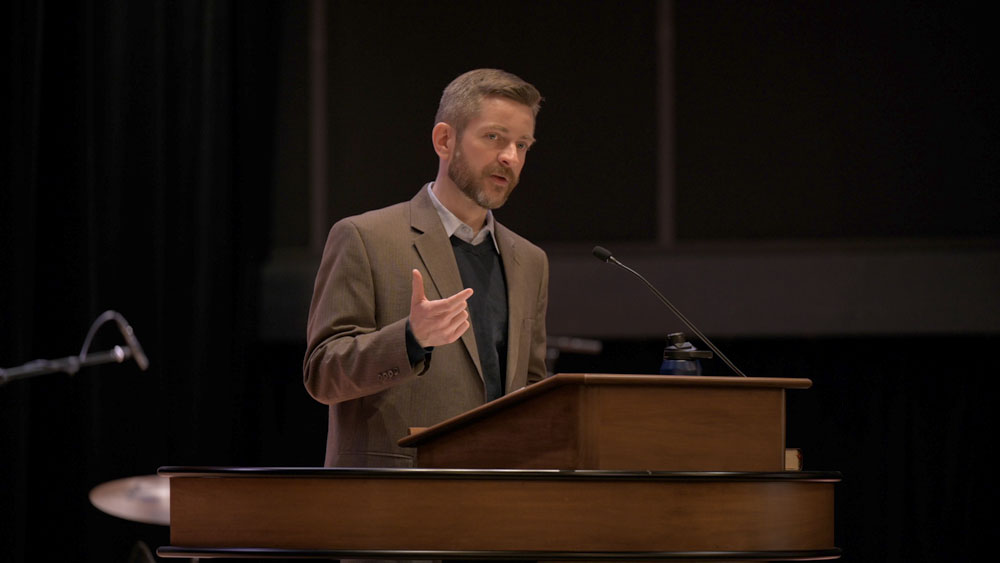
(576, 467)
(625, 422)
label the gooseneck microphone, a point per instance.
(133, 343)
(604, 255)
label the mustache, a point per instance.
(500, 170)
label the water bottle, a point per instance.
(680, 357)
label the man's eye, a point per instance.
(492, 136)
(522, 146)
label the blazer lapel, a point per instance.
(516, 289)
(435, 251)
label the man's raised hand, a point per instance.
(438, 322)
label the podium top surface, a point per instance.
(610, 380)
(579, 475)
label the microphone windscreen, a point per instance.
(603, 254)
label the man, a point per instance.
(428, 308)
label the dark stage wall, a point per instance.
(159, 158)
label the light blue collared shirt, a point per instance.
(454, 226)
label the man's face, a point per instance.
(490, 151)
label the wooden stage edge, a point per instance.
(241, 553)
(500, 514)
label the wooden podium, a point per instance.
(624, 422)
(576, 467)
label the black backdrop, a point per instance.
(139, 181)
(140, 178)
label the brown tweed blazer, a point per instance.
(356, 347)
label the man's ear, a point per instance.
(443, 137)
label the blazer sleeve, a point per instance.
(349, 354)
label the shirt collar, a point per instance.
(454, 226)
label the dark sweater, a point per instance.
(482, 270)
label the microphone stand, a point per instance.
(69, 364)
(72, 364)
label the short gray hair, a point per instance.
(461, 99)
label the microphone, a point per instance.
(134, 349)
(133, 343)
(604, 255)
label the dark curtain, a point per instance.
(137, 179)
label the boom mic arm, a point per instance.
(72, 364)
(604, 255)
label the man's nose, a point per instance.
(509, 155)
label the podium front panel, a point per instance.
(619, 422)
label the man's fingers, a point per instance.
(418, 294)
(444, 311)
(444, 319)
(458, 331)
(462, 295)
(459, 299)
(452, 328)
(456, 317)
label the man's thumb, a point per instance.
(418, 288)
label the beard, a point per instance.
(481, 189)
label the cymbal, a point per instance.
(141, 499)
